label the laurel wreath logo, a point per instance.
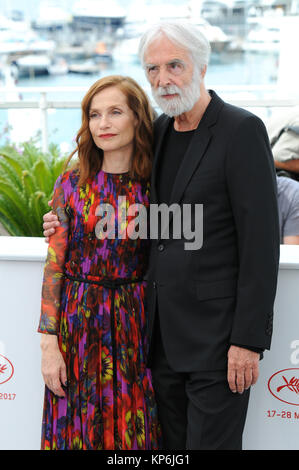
(3, 368)
(292, 385)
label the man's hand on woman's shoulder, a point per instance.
(50, 224)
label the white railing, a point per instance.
(43, 103)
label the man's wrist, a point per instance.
(251, 348)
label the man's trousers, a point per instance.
(197, 410)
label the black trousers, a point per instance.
(197, 410)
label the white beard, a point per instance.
(188, 95)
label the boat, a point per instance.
(217, 11)
(84, 67)
(17, 37)
(263, 39)
(98, 13)
(126, 50)
(102, 54)
(58, 67)
(136, 23)
(264, 34)
(97, 51)
(51, 18)
(217, 38)
(32, 65)
(140, 15)
(265, 30)
(167, 12)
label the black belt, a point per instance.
(109, 283)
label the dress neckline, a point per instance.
(115, 174)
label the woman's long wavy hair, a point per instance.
(90, 157)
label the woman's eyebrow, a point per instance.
(110, 107)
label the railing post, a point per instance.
(44, 121)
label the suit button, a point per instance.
(154, 285)
(161, 247)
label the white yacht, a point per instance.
(18, 37)
(32, 65)
(51, 17)
(217, 38)
(98, 13)
(141, 15)
(263, 38)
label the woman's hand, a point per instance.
(53, 365)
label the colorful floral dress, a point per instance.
(93, 300)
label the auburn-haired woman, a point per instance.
(98, 391)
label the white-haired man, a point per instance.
(209, 310)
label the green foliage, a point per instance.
(27, 177)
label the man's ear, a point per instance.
(203, 71)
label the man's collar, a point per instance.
(211, 113)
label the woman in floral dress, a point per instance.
(98, 392)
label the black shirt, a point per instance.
(174, 149)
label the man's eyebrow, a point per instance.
(172, 61)
(150, 65)
(175, 61)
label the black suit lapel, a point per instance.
(193, 156)
(197, 148)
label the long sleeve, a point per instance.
(54, 267)
(252, 189)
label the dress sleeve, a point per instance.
(54, 266)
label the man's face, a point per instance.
(174, 80)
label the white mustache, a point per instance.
(168, 90)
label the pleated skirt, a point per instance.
(109, 402)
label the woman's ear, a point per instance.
(135, 120)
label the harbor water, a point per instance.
(239, 62)
(225, 70)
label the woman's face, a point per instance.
(111, 122)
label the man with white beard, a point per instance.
(210, 310)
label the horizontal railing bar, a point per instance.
(59, 89)
(269, 103)
(19, 104)
(254, 103)
(70, 89)
(36, 104)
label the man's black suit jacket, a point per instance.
(222, 293)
